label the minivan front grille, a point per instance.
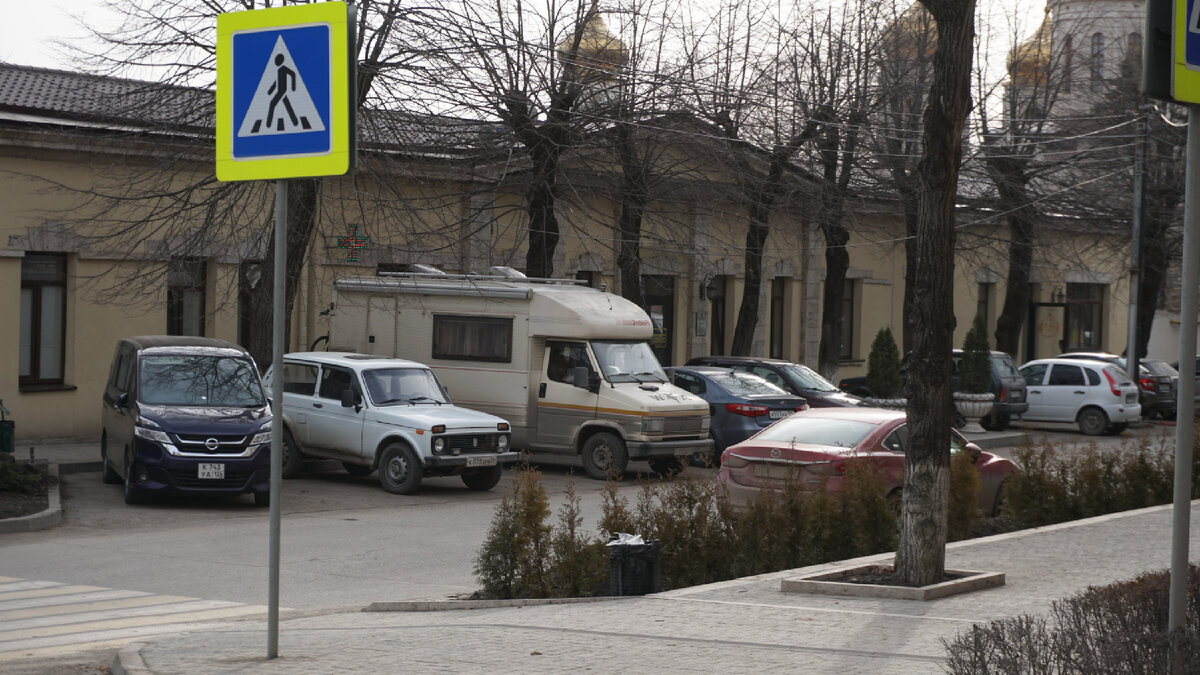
(224, 444)
(683, 426)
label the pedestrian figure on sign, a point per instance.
(280, 90)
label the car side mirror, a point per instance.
(349, 397)
(123, 400)
(975, 451)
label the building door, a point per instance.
(658, 292)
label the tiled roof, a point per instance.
(53, 96)
(80, 97)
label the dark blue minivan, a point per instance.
(185, 415)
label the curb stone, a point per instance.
(445, 605)
(43, 520)
(129, 661)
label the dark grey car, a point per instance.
(739, 404)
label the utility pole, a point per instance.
(1132, 353)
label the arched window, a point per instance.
(1097, 61)
(1133, 48)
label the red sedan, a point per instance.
(814, 447)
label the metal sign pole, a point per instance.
(1184, 426)
(277, 346)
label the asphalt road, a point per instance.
(344, 541)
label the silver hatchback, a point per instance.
(1099, 397)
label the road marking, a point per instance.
(46, 618)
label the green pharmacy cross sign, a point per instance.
(353, 243)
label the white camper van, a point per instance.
(568, 366)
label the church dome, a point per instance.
(1029, 62)
(600, 54)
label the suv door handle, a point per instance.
(317, 405)
(1077, 391)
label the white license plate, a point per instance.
(486, 460)
(779, 414)
(207, 470)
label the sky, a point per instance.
(30, 27)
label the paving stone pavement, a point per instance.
(744, 625)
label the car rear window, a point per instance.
(809, 378)
(1118, 375)
(817, 431)
(745, 384)
(1004, 365)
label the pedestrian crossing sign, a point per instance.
(284, 83)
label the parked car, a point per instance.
(373, 412)
(1195, 382)
(1159, 369)
(185, 415)
(814, 447)
(739, 404)
(1154, 390)
(1097, 396)
(790, 377)
(1008, 388)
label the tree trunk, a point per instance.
(921, 554)
(634, 195)
(1008, 173)
(301, 224)
(910, 269)
(543, 224)
(756, 239)
(837, 263)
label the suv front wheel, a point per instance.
(399, 469)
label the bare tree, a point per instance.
(170, 197)
(921, 555)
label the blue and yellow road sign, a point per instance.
(1185, 75)
(285, 107)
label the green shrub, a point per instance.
(512, 563)
(19, 477)
(962, 511)
(975, 367)
(1119, 628)
(577, 566)
(883, 366)
(1054, 487)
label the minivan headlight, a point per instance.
(261, 438)
(152, 435)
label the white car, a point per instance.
(373, 412)
(1099, 397)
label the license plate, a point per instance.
(485, 460)
(779, 414)
(216, 471)
(684, 452)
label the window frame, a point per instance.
(501, 328)
(35, 379)
(178, 292)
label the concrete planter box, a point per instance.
(829, 583)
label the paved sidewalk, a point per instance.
(735, 626)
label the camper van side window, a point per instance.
(472, 338)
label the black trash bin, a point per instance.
(6, 430)
(633, 568)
